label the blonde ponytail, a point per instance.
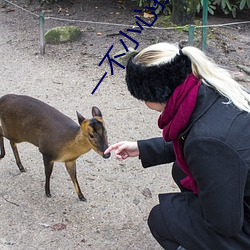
(202, 67)
(218, 78)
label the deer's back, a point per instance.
(24, 118)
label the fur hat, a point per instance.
(156, 83)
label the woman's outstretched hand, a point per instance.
(124, 150)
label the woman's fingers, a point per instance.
(113, 147)
(124, 149)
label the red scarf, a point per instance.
(175, 118)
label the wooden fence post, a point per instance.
(42, 31)
(204, 24)
(191, 35)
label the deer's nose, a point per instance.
(106, 156)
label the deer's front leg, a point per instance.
(48, 165)
(71, 168)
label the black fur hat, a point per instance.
(156, 83)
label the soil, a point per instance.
(119, 195)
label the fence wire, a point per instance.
(124, 25)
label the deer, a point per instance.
(58, 137)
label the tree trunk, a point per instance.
(183, 11)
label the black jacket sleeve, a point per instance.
(155, 151)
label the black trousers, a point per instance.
(156, 222)
(179, 221)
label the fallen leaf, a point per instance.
(58, 227)
(136, 201)
(147, 193)
(148, 15)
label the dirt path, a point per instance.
(115, 214)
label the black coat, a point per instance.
(216, 145)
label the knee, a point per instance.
(154, 218)
(159, 229)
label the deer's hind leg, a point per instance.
(18, 161)
(71, 168)
(1, 144)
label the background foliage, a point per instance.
(227, 6)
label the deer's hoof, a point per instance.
(82, 198)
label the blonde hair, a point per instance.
(202, 67)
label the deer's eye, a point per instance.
(91, 136)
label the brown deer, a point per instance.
(59, 139)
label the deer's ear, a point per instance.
(96, 112)
(80, 118)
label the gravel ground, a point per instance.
(119, 195)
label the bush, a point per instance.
(227, 6)
(158, 7)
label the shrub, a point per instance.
(227, 6)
